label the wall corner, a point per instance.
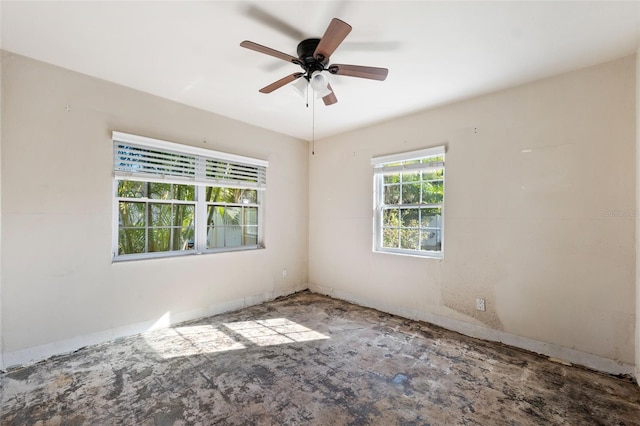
(637, 178)
(2, 366)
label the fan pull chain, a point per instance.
(307, 94)
(313, 129)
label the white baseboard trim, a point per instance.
(551, 350)
(24, 357)
(16, 359)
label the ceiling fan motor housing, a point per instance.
(309, 63)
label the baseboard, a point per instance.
(556, 352)
(24, 357)
(15, 359)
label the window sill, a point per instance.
(174, 254)
(408, 253)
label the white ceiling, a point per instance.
(436, 52)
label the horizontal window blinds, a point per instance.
(407, 156)
(140, 158)
(421, 160)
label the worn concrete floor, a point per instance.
(309, 359)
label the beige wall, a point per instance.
(546, 237)
(60, 289)
(1, 334)
(638, 216)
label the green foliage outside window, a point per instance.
(232, 217)
(412, 206)
(147, 226)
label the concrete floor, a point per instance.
(309, 359)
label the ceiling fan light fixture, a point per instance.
(319, 83)
(301, 86)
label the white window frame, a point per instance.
(201, 176)
(389, 164)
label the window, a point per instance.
(408, 202)
(173, 199)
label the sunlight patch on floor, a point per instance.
(274, 331)
(205, 339)
(191, 340)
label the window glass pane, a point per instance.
(183, 214)
(430, 239)
(226, 236)
(212, 193)
(250, 215)
(131, 241)
(131, 189)
(435, 159)
(251, 235)
(411, 193)
(392, 194)
(171, 226)
(232, 216)
(249, 196)
(228, 195)
(237, 196)
(217, 237)
(409, 239)
(131, 214)
(189, 244)
(390, 238)
(214, 238)
(430, 218)
(224, 228)
(410, 218)
(390, 218)
(232, 236)
(433, 175)
(159, 239)
(432, 192)
(159, 214)
(410, 176)
(214, 215)
(182, 238)
(392, 178)
(234, 195)
(184, 192)
(159, 191)
(224, 195)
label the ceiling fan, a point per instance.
(313, 57)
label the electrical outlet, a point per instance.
(480, 305)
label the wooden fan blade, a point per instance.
(269, 51)
(330, 99)
(274, 21)
(335, 34)
(278, 84)
(372, 73)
